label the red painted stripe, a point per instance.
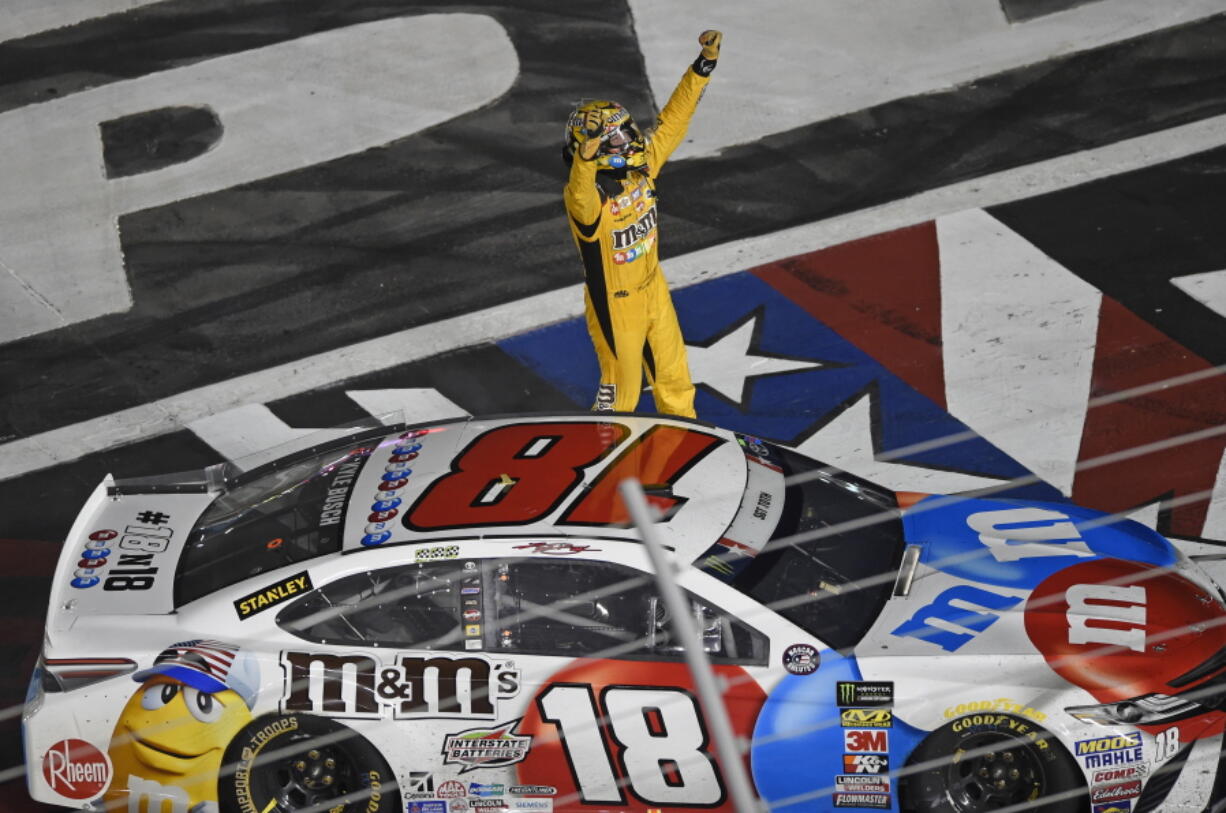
(1131, 353)
(882, 293)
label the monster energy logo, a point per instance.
(864, 693)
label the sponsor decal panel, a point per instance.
(864, 693)
(273, 594)
(426, 806)
(534, 790)
(1105, 752)
(866, 763)
(452, 789)
(493, 747)
(866, 718)
(481, 789)
(874, 741)
(75, 769)
(436, 553)
(878, 801)
(861, 783)
(801, 659)
(529, 805)
(1116, 792)
(1119, 774)
(1124, 806)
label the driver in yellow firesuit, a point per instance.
(611, 203)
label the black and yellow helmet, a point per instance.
(622, 143)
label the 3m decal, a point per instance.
(866, 763)
(522, 473)
(412, 687)
(864, 693)
(860, 741)
(76, 770)
(272, 595)
(485, 748)
(866, 718)
(943, 609)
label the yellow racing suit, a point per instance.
(630, 314)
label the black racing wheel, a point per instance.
(984, 762)
(289, 762)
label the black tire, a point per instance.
(983, 762)
(302, 761)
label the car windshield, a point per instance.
(831, 562)
(271, 519)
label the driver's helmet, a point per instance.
(623, 143)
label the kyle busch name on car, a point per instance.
(624, 238)
(361, 686)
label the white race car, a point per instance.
(453, 617)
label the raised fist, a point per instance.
(710, 40)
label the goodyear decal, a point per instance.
(272, 595)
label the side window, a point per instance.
(416, 606)
(582, 608)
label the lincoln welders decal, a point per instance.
(273, 594)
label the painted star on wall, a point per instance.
(727, 362)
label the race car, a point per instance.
(449, 617)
